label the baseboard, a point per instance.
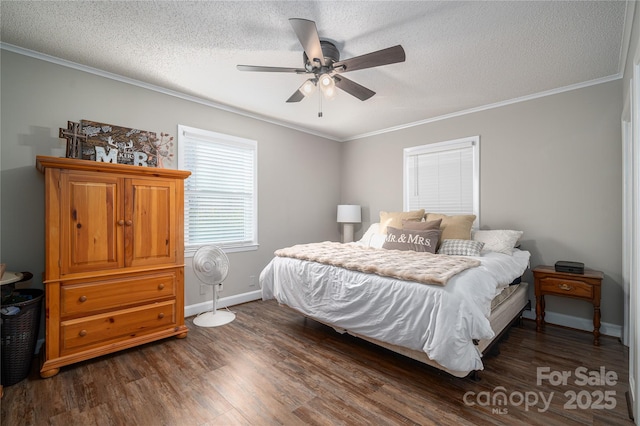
(223, 302)
(585, 324)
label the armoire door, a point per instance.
(91, 221)
(150, 222)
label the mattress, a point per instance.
(441, 321)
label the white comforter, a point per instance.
(441, 321)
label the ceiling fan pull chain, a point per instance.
(320, 105)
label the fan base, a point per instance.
(214, 319)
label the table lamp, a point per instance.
(348, 214)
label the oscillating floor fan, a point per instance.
(211, 266)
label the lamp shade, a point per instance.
(349, 213)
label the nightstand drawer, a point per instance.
(566, 287)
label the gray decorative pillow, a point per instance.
(461, 247)
(406, 239)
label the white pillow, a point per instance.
(377, 240)
(502, 241)
(369, 237)
(366, 238)
(373, 237)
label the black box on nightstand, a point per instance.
(570, 267)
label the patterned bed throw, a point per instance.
(407, 265)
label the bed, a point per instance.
(447, 323)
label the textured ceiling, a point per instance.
(460, 55)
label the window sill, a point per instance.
(191, 251)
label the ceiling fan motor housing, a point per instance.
(331, 55)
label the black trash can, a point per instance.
(19, 333)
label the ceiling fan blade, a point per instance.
(353, 88)
(390, 55)
(270, 69)
(308, 35)
(296, 97)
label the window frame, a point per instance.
(471, 142)
(184, 134)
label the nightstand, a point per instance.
(577, 286)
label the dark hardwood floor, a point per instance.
(273, 366)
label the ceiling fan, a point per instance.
(322, 59)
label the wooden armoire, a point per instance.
(114, 258)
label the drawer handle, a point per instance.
(120, 222)
(82, 333)
(160, 286)
(565, 287)
(82, 299)
(160, 315)
(128, 223)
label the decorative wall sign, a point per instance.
(114, 144)
(163, 150)
(91, 140)
(74, 136)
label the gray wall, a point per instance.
(550, 167)
(39, 97)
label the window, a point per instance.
(220, 196)
(444, 177)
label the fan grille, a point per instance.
(210, 265)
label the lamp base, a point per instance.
(347, 232)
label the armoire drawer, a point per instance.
(115, 293)
(115, 326)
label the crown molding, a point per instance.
(195, 99)
(490, 106)
(159, 89)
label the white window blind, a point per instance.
(220, 195)
(443, 177)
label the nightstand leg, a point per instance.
(539, 313)
(596, 325)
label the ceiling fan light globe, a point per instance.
(329, 91)
(326, 81)
(328, 86)
(308, 87)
